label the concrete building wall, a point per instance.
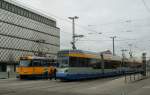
(21, 32)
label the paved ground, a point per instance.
(4, 75)
(108, 86)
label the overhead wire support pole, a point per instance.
(73, 31)
(113, 40)
(123, 63)
(123, 56)
(130, 52)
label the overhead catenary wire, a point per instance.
(147, 8)
(105, 24)
(83, 27)
(105, 40)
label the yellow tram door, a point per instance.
(36, 67)
(39, 68)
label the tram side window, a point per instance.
(108, 65)
(79, 62)
(36, 63)
(116, 64)
(86, 62)
(112, 64)
(44, 63)
(96, 64)
(83, 62)
(73, 62)
(52, 62)
(92, 62)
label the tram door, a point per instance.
(37, 67)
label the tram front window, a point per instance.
(63, 62)
(25, 63)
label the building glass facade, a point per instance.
(25, 32)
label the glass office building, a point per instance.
(24, 31)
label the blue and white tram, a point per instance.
(78, 64)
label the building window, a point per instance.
(7, 6)
(26, 13)
(3, 4)
(14, 68)
(18, 11)
(0, 3)
(23, 12)
(13, 9)
(3, 68)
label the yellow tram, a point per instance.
(35, 67)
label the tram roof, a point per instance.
(33, 57)
(108, 57)
(78, 51)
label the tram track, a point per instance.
(52, 85)
(80, 85)
(69, 85)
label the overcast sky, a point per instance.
(129, 20)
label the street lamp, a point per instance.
(75, 17)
